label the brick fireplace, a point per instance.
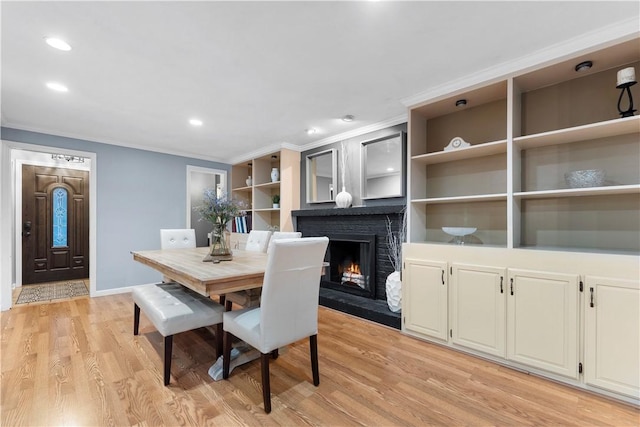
(358, 258)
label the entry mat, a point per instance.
(51, 291)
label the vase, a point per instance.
(249, 181)
(393, 288)
(220, 249)
(343, 199)
(275, 175)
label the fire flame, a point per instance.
(353, 268)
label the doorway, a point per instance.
(12, 156)
(199, 179)
(55, 224)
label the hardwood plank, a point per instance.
(77, 362)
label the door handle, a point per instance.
(26, 229)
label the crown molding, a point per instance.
(356, 132)
(329, 140)
(601, 38)
(179, 153)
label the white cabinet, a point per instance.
(424, 299)
(612, 335)
(542, 318)
(478, 297)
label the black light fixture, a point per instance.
(626, 79)
(461, 102)
(583, 66)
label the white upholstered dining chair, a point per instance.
(177, 238)
(258, 240)
(278, 235)
(288, 310)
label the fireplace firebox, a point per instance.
(351, 259)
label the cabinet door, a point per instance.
(479, 308)
(424, 300)
(542, 320)
(612, 329)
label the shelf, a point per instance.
(479, 150)
(242, 189)
(268, 185)
(605, 129)
(267, 210)
(462, 199)
(577, 192)
(578, 249)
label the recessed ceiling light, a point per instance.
(195, 122)
(310, 131)
(348, 118)
(389, 169)
(57, 87)
(461, 102)
(583, 66)
(57, 43)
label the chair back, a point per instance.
(258, 240)
(277, 235)
(177, 238)
(290, 291)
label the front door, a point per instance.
(55, 224)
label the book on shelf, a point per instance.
(242, 224)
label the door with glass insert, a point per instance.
(55, 224)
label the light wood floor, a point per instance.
(77, 362)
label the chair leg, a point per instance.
(266, 387)
(223, 298)
(226, 355)
(219, 334)
(228, 305)
(136, 318)
(168, 345)
(274, 354)
(313, 344)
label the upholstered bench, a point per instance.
(172, 309)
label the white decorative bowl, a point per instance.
(585, 178)
(459, 231)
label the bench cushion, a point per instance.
(172, 308)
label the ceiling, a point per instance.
(259, 73)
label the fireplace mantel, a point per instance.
(360, 210)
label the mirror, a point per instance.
(321, 176)
(383, 162)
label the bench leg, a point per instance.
(136, 318)
(168, 345)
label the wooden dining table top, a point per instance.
(185, 266)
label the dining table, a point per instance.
(245, 272)
(186, 266)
